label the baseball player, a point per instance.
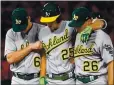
(93, 59)
(56, 38)
(21, 49)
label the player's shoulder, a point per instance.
(39, 25)
(67, 24)
(67, 21)
(10, 32)
(102, 34)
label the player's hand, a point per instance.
(97, 23)
(43, 81)
(37, 45)
(85, 34)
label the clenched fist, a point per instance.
(37, 45)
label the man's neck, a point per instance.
(82, 27)
(57, 27)
(87, 23)
(28, 28)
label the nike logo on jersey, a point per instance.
(81, 50)
(55, 42)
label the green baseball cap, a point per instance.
(19, 19)
(50, 12)
(95, 15)
(79, 16)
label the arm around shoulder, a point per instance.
(97, 24)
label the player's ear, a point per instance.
(88, 22)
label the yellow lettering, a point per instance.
(80, 50)
(56, 41)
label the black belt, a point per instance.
(26, 76)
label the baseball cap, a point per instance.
(19, 19)
(79, 16)
(50, 12)
(96, 15)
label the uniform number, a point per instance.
(37, 61)
(66, 53)
(91, 66)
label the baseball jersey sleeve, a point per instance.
(9, 43)
(39, 26)
(107, 49)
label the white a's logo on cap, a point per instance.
(47, 14)
(18, 21)
(75, 17)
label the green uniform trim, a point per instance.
(86, 79)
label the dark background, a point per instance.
(105, 8)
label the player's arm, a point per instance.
(71, 55)
(71, 50)
(94, 25)
(17, 56)
(43, 68)
(43, 64)
(97, 24)
(97, 21)
(111, 73)
(107, 53)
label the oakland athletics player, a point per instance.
(57, 41)
(94, 59)
(20, 49)
(56, 38)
